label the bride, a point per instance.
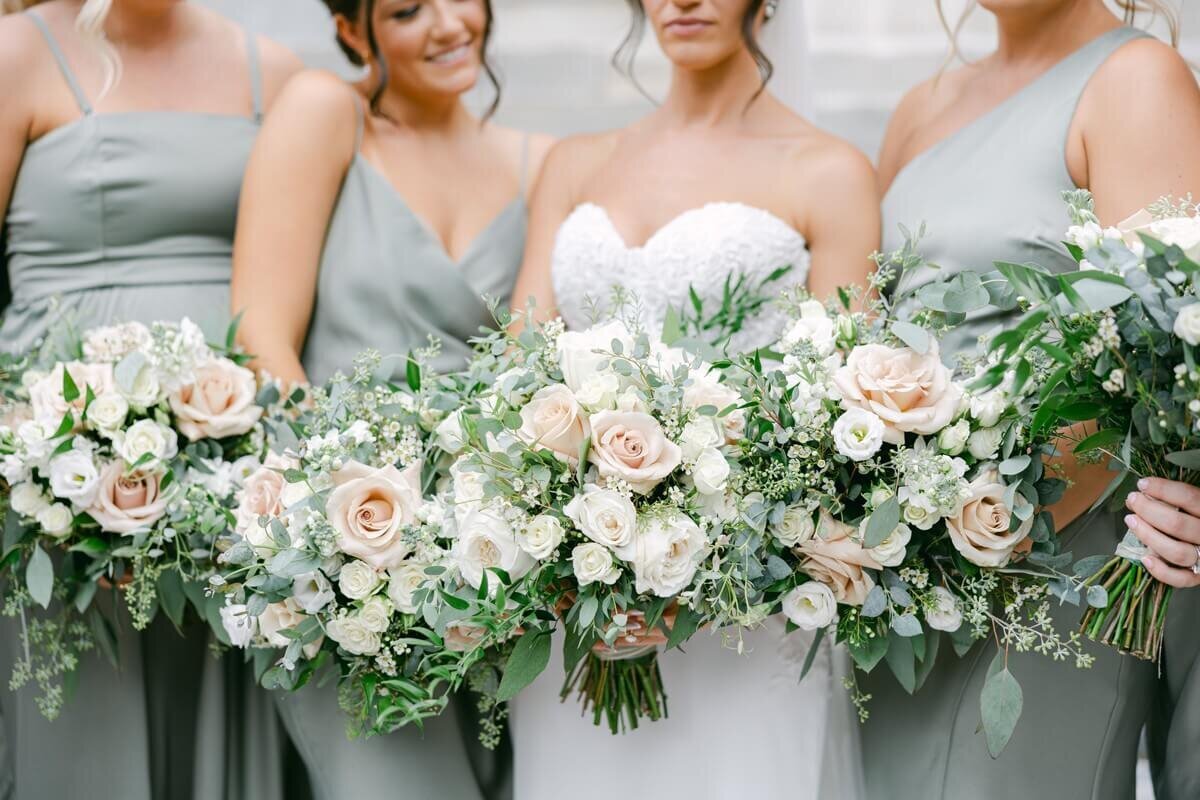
(723, 178)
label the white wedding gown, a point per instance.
(738, 725)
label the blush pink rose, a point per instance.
(127, 503)
(218, 403)
(631, 446)
(370, 508)
(837, 560)
(910, 392)
(980, 531)
(553, 420)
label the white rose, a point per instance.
(705, 389)
(699, 435)
(952, 440)
(669, 551)
(146, 438)
(599, 390)
(810, 606)
(143, 389)
(944, 614)
(606, 517)
(577, 352)
(403, 583)
(28, 499)
(814, 326)
(75, 477)
(277, 618)
(593, 563)
(988, 407)
(312, 592)
(1183, 232)
(796, 528)
(486, 541)
(467, 489)
(358, 579)
(450, 434)
(891, 551)
(542, 536)
(376, 614)
(710, 472)
(1187, 324)
(858, 434)
(984, 444)
(55, 520)
(918, 511)
(238, 625)
(107, 412)
(354, 637)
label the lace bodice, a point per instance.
(697, 249)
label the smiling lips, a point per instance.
(454, 55)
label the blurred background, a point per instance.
(553, 56)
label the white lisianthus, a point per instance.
(353, 636)
(238, 624)
(146, 438)
(944, 614)
(952, 440)
(606, 517)
(542, 536)
(891, 551)
(28, 499)
(796, 528)
(75, 477)
(312, 592)
(107, 412)
(55, 520)
(711, 472)
(699, 435)
(599, 391)
(810, 606)
(593, 563)
(450, 434)
(358, 579)
(376, 614)
(403, 583)
(858, 434)
(486, 541)
(36, 436)
(669, 550)
(1187, 324)
(984, 444)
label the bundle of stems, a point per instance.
(620, 692)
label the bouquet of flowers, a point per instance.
(340, 547)
(114, 463)
(1124, 329)
(899, 500)
(593, 481)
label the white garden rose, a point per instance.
(710, 472)
(813, 326)
(917, 510)
(403, 583)
(984, 444)
(55, 520)
(107, 413)
(945, 614)
(810, 606)
(796, 528)
(599, 390)
(952, 440)
(353, 636)
(702, 433)
(1187, 324)
(75, 477)
(632, 447)
(584, 353)
(705, 389)
(139, 384)
(553, 420)
(858, 434)
(891, 551)
(358, 579)
(376, 614)
(239, 626)
(606, 517)
(910, 392)
(1183, 232)
(450, 434)
(542, 536)
(466, 489)
(593, 563)
(669, 549)
(146, 438)
(28, 499)
(988, 407)
(486, 541)
(982, 530)
(312, 592)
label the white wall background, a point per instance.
(553, 56)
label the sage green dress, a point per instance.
(991, 192)
(121, 217)
(387, 283)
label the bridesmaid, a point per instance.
(377, 223)
(1071, 98)
(126, 127)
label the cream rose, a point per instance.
(146, 439)
(450, 434)
(606, 517)
(46, 393)
(279, 617)
(358, 579)
(486, 541)
(553, 420)
(127, 503)
(107, 413)
(260, 496)
(810, 606)
(944, 614)
(632, 447)
(370, 508)
(403, 583)
(353, 636)
(892, 550)
(1187, 324)
(813, 326)
(835, 558)
(141, 389)
(702, 433)
(585, 353)
(704, 389)
(710, 472)
(376, 614)
(542, 536)
(593, 563)
(796, 528)
(669, 549)
(55, 520)
(910, 392)
(985, 443)
(1183, 232)
(980, 530)
(219, 403)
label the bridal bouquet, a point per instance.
(899, 501)
(114, 462)
(340, 548)
(1125, 329)
(594, 480)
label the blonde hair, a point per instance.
(89, 24)
(17, 6)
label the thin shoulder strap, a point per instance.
(256, 81)
(63, 66)
(524, 163)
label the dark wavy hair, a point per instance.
(364, 11)
(624, 57)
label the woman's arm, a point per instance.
(292, 183)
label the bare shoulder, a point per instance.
(1141, 71)
(570, 162)
(24, 58)
(820, 161)
(279, 65)
(318, 93)
(315, 110)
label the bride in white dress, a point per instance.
(722, 178)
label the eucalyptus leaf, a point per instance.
(876, 602)
(39, 577)
(906, 625)
(1000, 705)
(528, 660)
(912, 335)
(882, 522)
(1097, 596)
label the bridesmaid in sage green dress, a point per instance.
(1071, 98)
(115, 210)
(379, 223)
